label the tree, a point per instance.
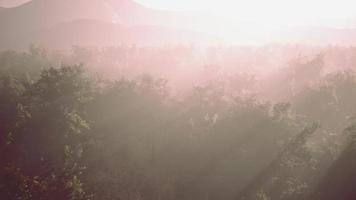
(49, 135)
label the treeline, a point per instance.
(66, 134)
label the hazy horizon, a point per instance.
(275, 13)
(177, 100)
(256, 22)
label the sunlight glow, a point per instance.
(256, 21)
(273, 13)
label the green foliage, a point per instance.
(48, 136)
(65, 135)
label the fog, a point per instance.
(119, 100)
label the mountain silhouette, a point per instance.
(40, 21)
(64, 23)
(11, 3)
(99, 33)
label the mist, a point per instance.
(189, 100)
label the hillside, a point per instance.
(11, 3)
(100, 33)
(41, 21)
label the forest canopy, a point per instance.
(70, 131)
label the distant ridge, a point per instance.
(12, 3)
(35, 22)
(86, 32)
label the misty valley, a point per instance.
(113, 100)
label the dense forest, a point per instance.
(178, 123)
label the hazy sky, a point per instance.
(270, 12)
(320, 8)
(278, 11)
